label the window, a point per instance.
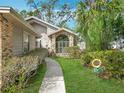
(26, 43)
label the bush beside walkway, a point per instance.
(34, 83)
(18, 70)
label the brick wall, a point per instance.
(0, 51)
(6, 31)
(6, 37)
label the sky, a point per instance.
(16, 4)
(21, 5)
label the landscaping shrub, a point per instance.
(17, 70)
(113, 60)
(73, 52)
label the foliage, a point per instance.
(26, 14)
(17, 70)
(81, 80)
(34, 82)
(118, 26)
(74, 52)
(95, 22)
(50, 11)
(113, 60)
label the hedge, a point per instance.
(113, 60)
(73, 52)
(17, 70)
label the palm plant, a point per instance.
(94, 18)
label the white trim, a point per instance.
(63, 29)
(4, 9)
(69, 31)
(32, 17)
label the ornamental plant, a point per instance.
(113, 60)
(18, 70)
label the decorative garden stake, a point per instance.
(96, 63)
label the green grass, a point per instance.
(35, 82)
(82, 80)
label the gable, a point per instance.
(51, 29)
(41, 22)
(63, 31)
(39, 28)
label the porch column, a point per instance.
(0, 51)
(6, 32)
(7, 38)
(53, 43)
(71, 41)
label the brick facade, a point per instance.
(6, 37)
(6, 30)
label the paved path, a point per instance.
(53, 81)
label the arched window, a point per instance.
(62, 41)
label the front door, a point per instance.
(62, 41)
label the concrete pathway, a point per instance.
(53, 81)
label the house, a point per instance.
(19, 36)
(52, 37)
(118, 44)
(16, 35)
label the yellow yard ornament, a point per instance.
(96, 63)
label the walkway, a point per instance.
(53, 81)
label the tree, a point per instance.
(23, 13)
(47, 11)
(95, 18)
(64, 15)
(35, 5)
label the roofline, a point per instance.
(69, 31)
(10, 10)
(61, 29)
(5, 9)
(32, 17)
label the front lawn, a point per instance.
(82, 80)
